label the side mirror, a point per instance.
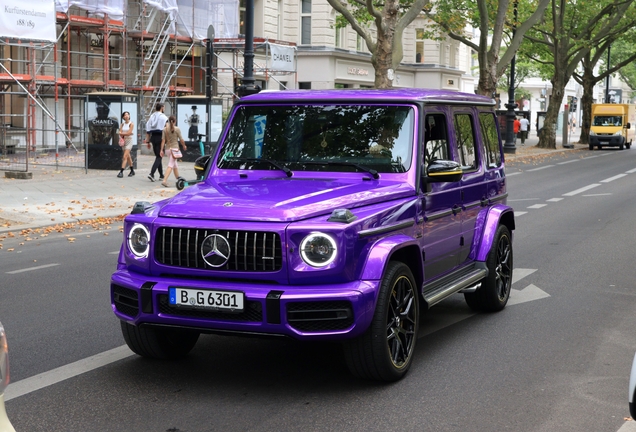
(201, 165)
(443, 171)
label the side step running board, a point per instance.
(439, 290)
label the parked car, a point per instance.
(325, 215)
(5, 424)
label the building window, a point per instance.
(359, 43)
(305, 22)
(282, 85)
(242, 17)
(341, 86)
(419, 45)
(304, 85)
(281, 14)
(341, 37)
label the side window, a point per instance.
(490, 139)
(466, 141)
(436, 138)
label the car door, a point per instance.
(441, 203)
(472, 185)
(494, 177)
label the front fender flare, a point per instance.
(496, 215)
(382, 251)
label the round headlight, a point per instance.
(139, 240)
(318, 250)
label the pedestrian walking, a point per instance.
(170, 143)
(524, 127)
(154, 130)
(515, 127)
(126, 130)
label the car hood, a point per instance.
(278, 199)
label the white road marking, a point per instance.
(113, 253)
(616, 177)
(540, 168)
(524, 199)
(589, 157)
(583, 189)
(631, 171)
(567, 162)
(514, 173)
(537, 206)
(629, 426)
(529, 293)
(45, 379)
(520, 273)
(32, 268)
(555, 199)
(600, 194)
(519, 213)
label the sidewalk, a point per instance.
(72, 196)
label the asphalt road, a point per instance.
(556, 359)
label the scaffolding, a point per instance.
(155, 49)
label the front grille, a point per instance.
(320, 316)
(250, 251)
(126, 300)
(252, 312)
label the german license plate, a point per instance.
(228, 301)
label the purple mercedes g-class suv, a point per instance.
(325, 215)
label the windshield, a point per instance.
(349, 138)
(608, 121)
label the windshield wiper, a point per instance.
(371, 171)
(274, 163)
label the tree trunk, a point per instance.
(487, 81)
(586, 104)
(547, 134)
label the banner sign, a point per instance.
(28, 20)
(283, 58)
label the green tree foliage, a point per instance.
(495, 20)
(569, 32)
(384, 38)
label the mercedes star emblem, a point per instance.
(215, 250)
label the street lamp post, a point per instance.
(607, 78)
(509, 145)
(209, 54)
(248, 87)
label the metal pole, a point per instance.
(248, 87)
(607, 78)
(208, 84)
(509, 145)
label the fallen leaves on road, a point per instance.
(97, 224)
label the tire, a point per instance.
(599, 147)
(494, 292)
(622, 146)
(180, 183)
(591, 147)
(385, 351)
(159, 343)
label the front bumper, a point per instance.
(607, 140)
(330, 312)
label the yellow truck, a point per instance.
(612, 125)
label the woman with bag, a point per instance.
(170, 140)
(126, 143)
